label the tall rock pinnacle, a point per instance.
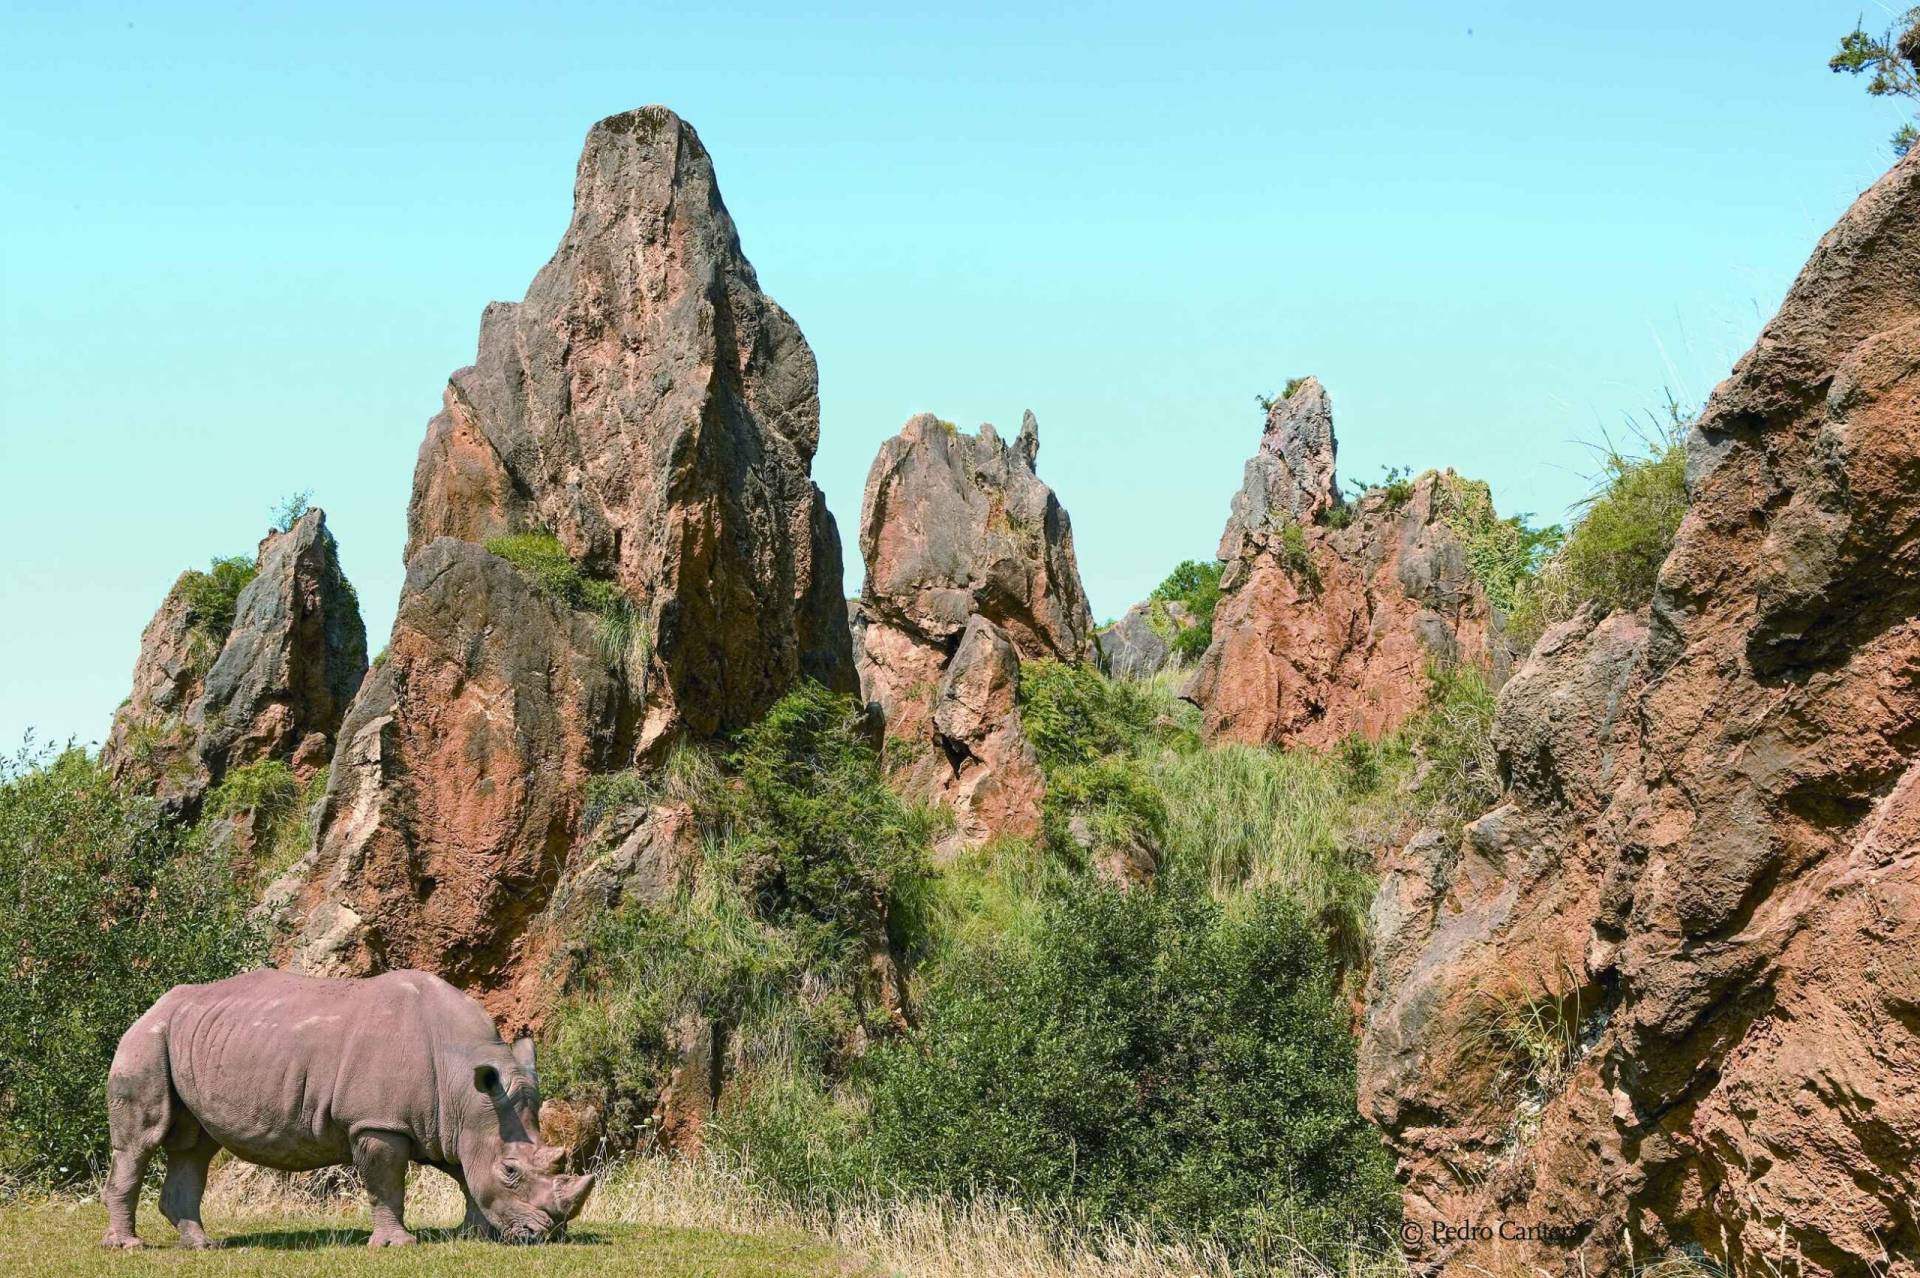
(644, 424)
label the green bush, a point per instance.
(1620, 538)
(105, 904)
(1149, 1055)
(212, 597)
(1074, 714)
(1452, 737)
(1294, 556)
(1196, 586)
(1504, 554)
(806, 854)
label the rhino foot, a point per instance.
(398, 1238)
(121, 1242)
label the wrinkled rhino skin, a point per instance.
(295, 1072)
(1738, 900)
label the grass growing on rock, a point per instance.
(540, 556)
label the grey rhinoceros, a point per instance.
(294, 1072)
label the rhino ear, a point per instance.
(486, 1079)
(523, 1053)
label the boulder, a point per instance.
(993, 784)
(1140, 644)
(273, 682)
(1328, 623)
(970, 570)
(1706, 873)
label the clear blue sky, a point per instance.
(242, 247)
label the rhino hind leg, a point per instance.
(382, 1158)
(189, 1153)
(140, 1110)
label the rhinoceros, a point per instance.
(295, 1072)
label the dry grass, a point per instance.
(910, 1238)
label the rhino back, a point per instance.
(284, 1069)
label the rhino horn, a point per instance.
(570, 1194)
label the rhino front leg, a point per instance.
(140, 1107)
(382, 1158)
(186, 1181)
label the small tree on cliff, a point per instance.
(1893, 60)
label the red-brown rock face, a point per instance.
(452, 805)
(655, 412)
(274, 685)
(1710, 859)
(653, 409)
(970, 569)
(1324, 630)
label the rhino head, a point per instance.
(514, 1177)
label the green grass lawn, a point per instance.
(63, 1238)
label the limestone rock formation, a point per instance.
(970, 570)
(1706, 881)
(1140, 644)
(651, 410)
(649, 406)
(291, 666)
(452, 804)
(271, 682)
(995, 785)
(1326, 626)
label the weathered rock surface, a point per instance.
(653, 409)
(455, 793)
(1714, 839)
(970, 570)
(295, 658)
(1326, 629)
(994, 785)
(1140, 644)
(273, 685)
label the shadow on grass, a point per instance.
(323, 1237)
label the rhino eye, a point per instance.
(510, 1173)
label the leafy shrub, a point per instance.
(105, 904)
(819, 839)
(1195, 586)
(1294, 556)
(1149, 1054)
(1074, 714)
(212, 597)
(1504, 554)
(806, 853)
(292, 509)
(1620, 538)
(1395, 481)
(1114, 800)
